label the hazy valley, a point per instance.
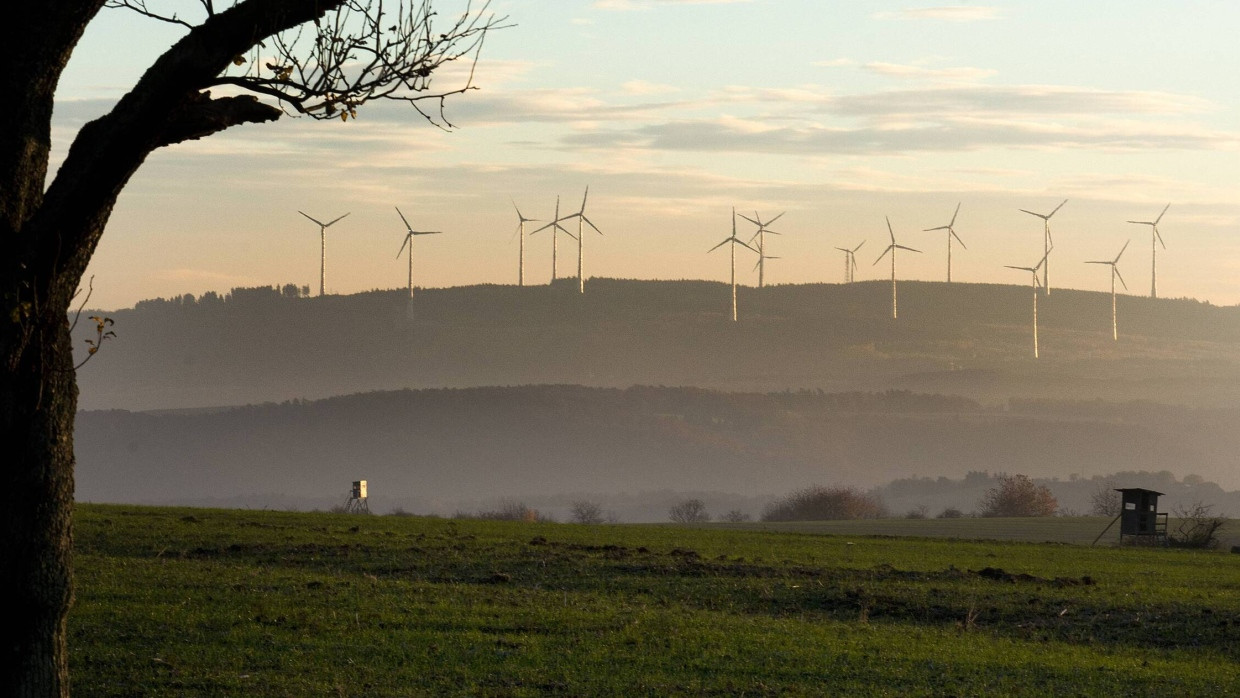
(814, 385)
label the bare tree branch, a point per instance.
(140, 7)
(362, 53)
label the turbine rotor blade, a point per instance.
(318, 223)
(757, 223)
(858, 246)
(719, 245)
(402, 218)
(1121, 276)
(1032, 213)
(954, 215)
(337, 219)
(1121, 252)
(1057, 208)
(953, 234)
(781, 213)
(402, 246)
(1161, 214)
(1160, 240)
(742, 244)
(941, 227)
(902, 247)
(889, 230)
(884, 254)
(583, 199)
(587, 220)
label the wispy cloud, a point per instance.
(950, 134)
(946, 13)
(835, 63)
(625, 5)
(917, 72)
(642, 87)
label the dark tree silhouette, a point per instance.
(321, 58)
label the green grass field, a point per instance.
(206, 602)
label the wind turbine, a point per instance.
(322, 246)
(408, 242)
(556, 229)
(850, 262)
(581, 218)
(951, 233)
(761, 237)
(1115, 275)
(735, 241)
(1034, 272)
(521, 231)
(892, 249)
(1155, 237)
(1047, 243)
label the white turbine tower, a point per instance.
(1115, 275)
(322, 246)
(556, 229)
(521, 231)
(951, 233)
(581, 219)
(850, 262)
(1155, 240)
(408, 242)
(892, 249)
(1034, 272)
(735, 241)
(760, 235)
(1047, 243)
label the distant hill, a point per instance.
(259, 345)
(431, 450)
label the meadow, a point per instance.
(196, 602)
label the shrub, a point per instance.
(918, 512)
(1017, 495)
(825, 504)
(735, 516)
(1105, 500)
(510, 510)
(951, 513)
(689, 511)
(1198, 526)
(587, 513)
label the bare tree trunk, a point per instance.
(38, 399)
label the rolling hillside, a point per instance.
(431, 450)
(256, 346)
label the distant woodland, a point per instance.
(636, 449)
(272, 344)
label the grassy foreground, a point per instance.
(206, 602)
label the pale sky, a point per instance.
(673, 111)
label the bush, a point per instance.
(1105, 501)
(508, 510)
(951, 513)
(1198, 526)
(918, 512)
(825, 504)
(735, 516)
(587, 513)
(689, 511)
(1017, 495)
